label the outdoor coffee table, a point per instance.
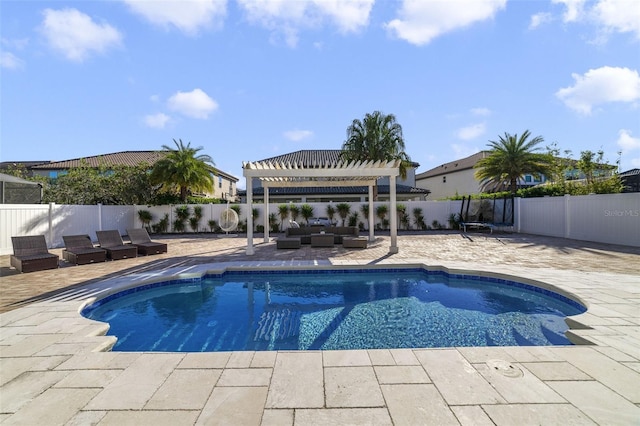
(322, 240)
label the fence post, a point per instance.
(567, 216)
(99, 216)
(51, 208)
(517, 215)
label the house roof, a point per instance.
(453, 166)
(632, 172)
(123, 158)
(312, 158)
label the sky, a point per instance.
(252, 79)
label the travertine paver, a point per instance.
(345, 358)
(471, 415)
(610, 373)
(598, 402)
(147, 417)
(537, 414)
(26, 387)
(343, 416)
(521, 388)
(140, 381)
(54, 406)
(395, 374)
(283, 417)
(417, 405)
(184, 390)
(46, 347)
(297, 381)
(548, 371)
(234, 406)
(456, 379)
(245, 377)
(352, 387)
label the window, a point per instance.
(444, 179)
(527, 178)
(53, 174)
(219, 181)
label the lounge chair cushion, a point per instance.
(30, 253)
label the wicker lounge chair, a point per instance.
(140, 238)
(116, 249)
(31, 254)
(79, 249)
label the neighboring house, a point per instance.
(405, 188)
(225, 185)
(458, 177)
(631, 180)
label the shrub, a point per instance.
(145, 217)
(343, 211)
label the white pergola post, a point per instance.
(249, 216)
(394, 215)
(372, 238)
(265, 220)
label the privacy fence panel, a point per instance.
(611, 218)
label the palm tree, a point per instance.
(343, 211)
(510, 158)
(185, 169)
(306, 211)
(283, 210)
(378, 137)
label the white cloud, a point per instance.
(627, 142)
(421, 21)
(187, 16)
(618, 16)
(471, 132)
(10, 61)
(575, 9)
(15, 43)
(483, 112)
(194, 104)
(285, 18)
(156, 121)
(599, 86)
(76, 35)
(297, 135)
(539, 19)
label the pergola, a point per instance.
(356, 173)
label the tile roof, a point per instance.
(454, 166)
(126, 158)
(312, 157)
(631, 172)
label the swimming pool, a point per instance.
(333, 309)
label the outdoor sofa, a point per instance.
(339, 232)
(116, 249)
(140, 238)
(30, 253)
(79, 249)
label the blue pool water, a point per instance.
(305, 310)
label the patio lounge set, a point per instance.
(322, 236)
(30, 253)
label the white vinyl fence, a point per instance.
(611, 219)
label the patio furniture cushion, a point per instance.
(79, 249)
(112, 242)
(354, 242)
(321, 240)
(288, 243)
(140, 238)
(30, 253)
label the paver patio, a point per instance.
(53, 368)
